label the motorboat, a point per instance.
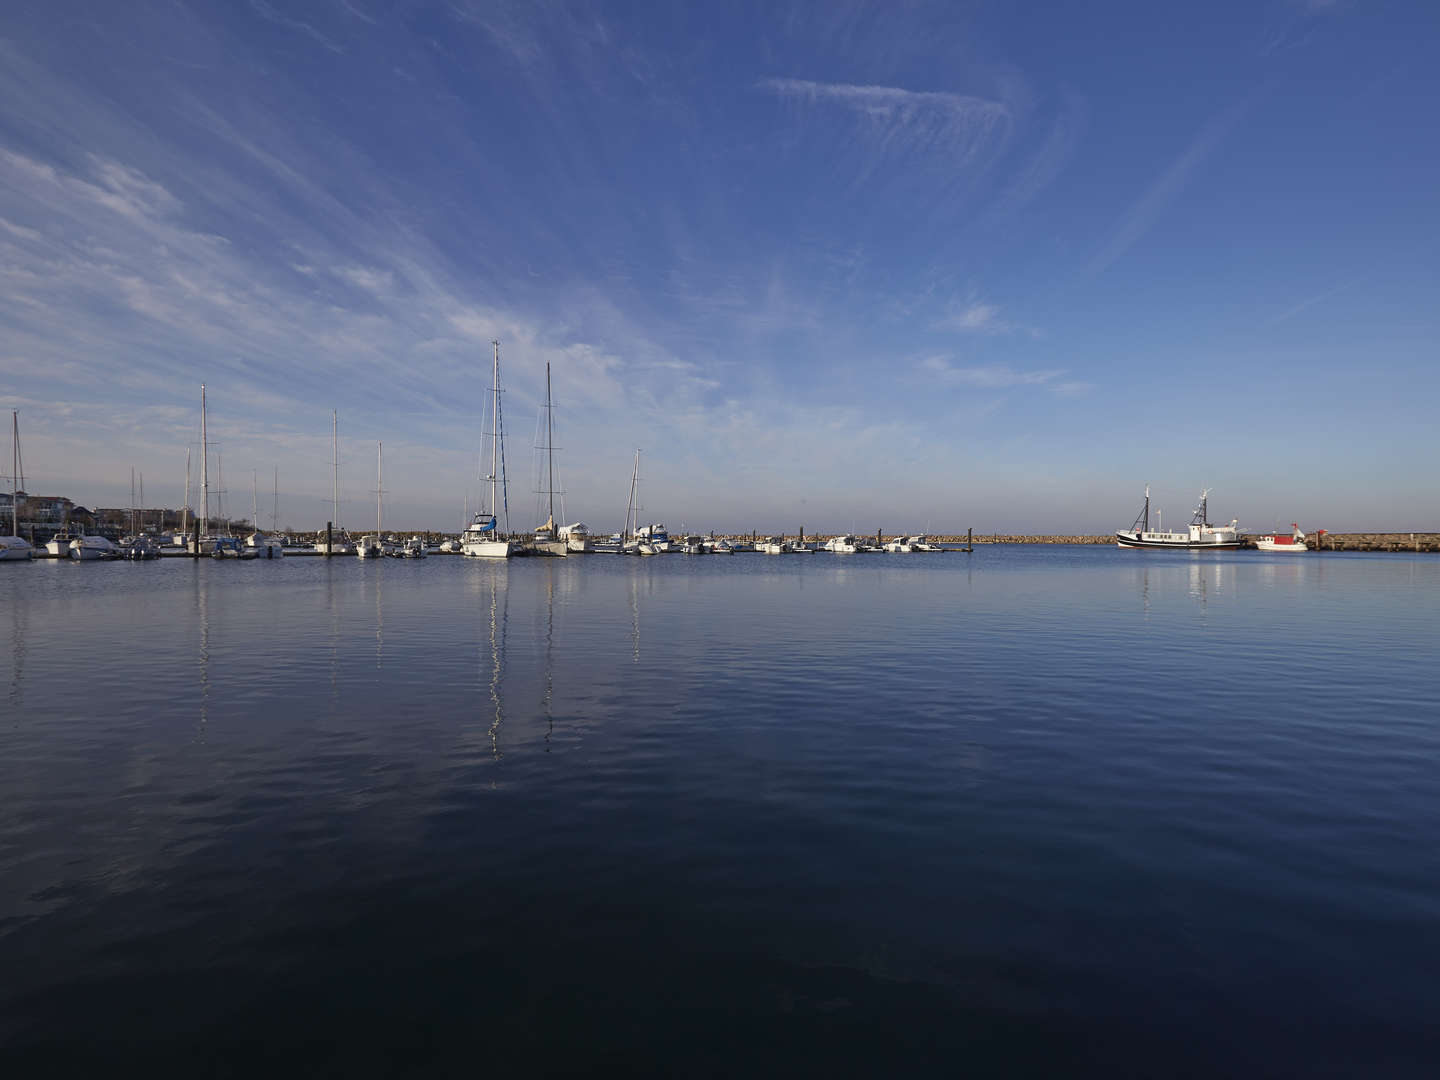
(264, 546)
(693, 546)
(842, 545)
(775, 545)
(139, 548)
(369, 547)
(576, 537)
(414, 548)
(901, 545)
(1280, 542)
(92, 549)
(1200, 536)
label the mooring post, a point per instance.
(195, 551)
(969, 539)
(328, 538)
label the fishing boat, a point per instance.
(693, 545)
(481, 537)
(901, 544)
(775, 545)
(14, 548)
(1280, 542)
(414, 548)
(576, 537)
(842, 545)
(1199, 536)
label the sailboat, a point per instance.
(547, 540)
(15, 547)
(264, 546)
(629, 545)
(372, 547)
(340, 542)
(480, 539)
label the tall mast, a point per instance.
(630, 506)
(132, 500)
(142, 502)
(275, 507)
(550, 441)
(495, 436)
(254, 502)
(379, 487)
(185, 510)
(335, 466)
(14, 472)
(1147, 509)
(204, 469)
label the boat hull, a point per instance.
(15, 549)
(1270, 543)
(1130, 540)
(488, 549)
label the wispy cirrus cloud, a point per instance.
(990, 376)
(960, 126)
(1146, 210)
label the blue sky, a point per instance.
(840, 265)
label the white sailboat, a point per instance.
(629, 545)
(372, 546)
(340, 542)
(481, 538)
(547, 536)
(14, 548)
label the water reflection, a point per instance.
(379, 615)
(19, 628)
(202, 612)
(635, 619)
(499, 623)
(549, 691)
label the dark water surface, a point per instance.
(1031, 811)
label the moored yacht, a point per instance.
(480, 539)
(92, 548)
(15, 548)
(1200, 535)
(842, 545)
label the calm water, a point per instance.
(1047, 811)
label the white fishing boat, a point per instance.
(693, 545)
(140, 548)
(657, 536)
(900, 545)
(15, 548)
(721, 547)
(414, 548)
(775, 545)
(1200, 536)
(1280, 542)
(481, 538)
(842, 545)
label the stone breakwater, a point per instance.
(1374, 541)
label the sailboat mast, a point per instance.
(550, 440)
(204, 468)
(1147, 509)
(132, 500)
(185, 510)
(275, 506)
(14, 472)
(379, 487)
(335, 467)
(495, 435)
(254, 503)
